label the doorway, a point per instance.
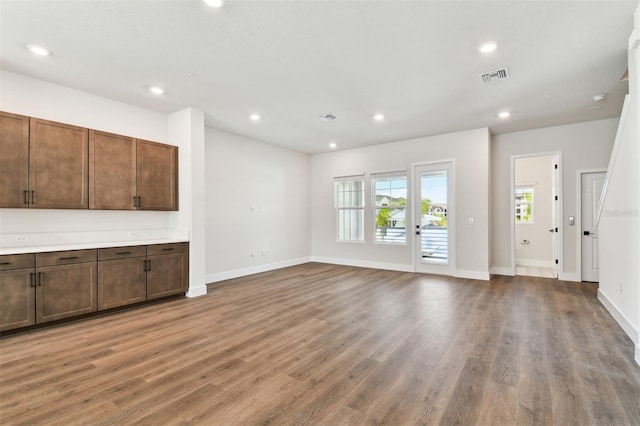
(591, 184)
(434, 224)
(535, 215)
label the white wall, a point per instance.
(241, 173)
(583, 146)
(619, 226)
(470, 152)
(536, 172)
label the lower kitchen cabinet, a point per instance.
(122, 276)
(65, 288)
(167, 274)
(17, 299)
(36, 289)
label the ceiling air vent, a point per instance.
(497, 75)
(327, 117)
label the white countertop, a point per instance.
(92, 245)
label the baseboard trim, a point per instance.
(535, 263)
(626, 325)
(563, 276)
(472, 275)
(200, 290)
(237, 273)
(501, 270)
(363, 263)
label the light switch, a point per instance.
(471, 221)
(572, 220)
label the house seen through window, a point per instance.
(390, 210)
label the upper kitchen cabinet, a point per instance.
(58, 165)
(157, 176)
(112, 171)
(14, 160)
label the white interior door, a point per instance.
(591, 190)
(434, 221)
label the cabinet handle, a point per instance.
(26, 196)
(167, 249)
(32, 279)
(145, 265)
(33, 197)
(149, 265)
(68, 258)
(139, 201)
(5, 263)
(124, 252)
(40, 280)
(135, 201)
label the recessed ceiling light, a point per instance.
(378, 117)
(598, 98)
(39, 50)
(488, 47)
(333, 145)
(504, 114)
(215, 3)
(255, 117)
(156, 90)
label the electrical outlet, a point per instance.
(265, 252)
(21, 238)
(253, 253)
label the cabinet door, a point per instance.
(157, 176)
(167, 275)
(58, 165)
(17, 299)
(112, 171)
(121, 282)
(65, 291)
(14, 160)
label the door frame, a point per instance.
(578, 226)
(559, 213)
(451, 183)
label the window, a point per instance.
(349, 203)
(524, 204)
(390, 207)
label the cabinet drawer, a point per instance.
(122, 252)
(16, 261)
(66, 257)
(166, 248)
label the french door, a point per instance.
(434, 222)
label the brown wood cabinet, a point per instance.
(112, 171)
(68, 287)
(58, 165)
(122, 278)
(167, 270)
(48, 286)
(14, 160)
(157, 176)
(17, 291)
(50, 165)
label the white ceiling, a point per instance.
(291, 61)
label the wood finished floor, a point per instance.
(332, 345)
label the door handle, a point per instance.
(551, 230)
(587, 233)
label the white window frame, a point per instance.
(524, 189)
(375, 207)
(349, 206)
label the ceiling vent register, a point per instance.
(497, 75)
(328, 117)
